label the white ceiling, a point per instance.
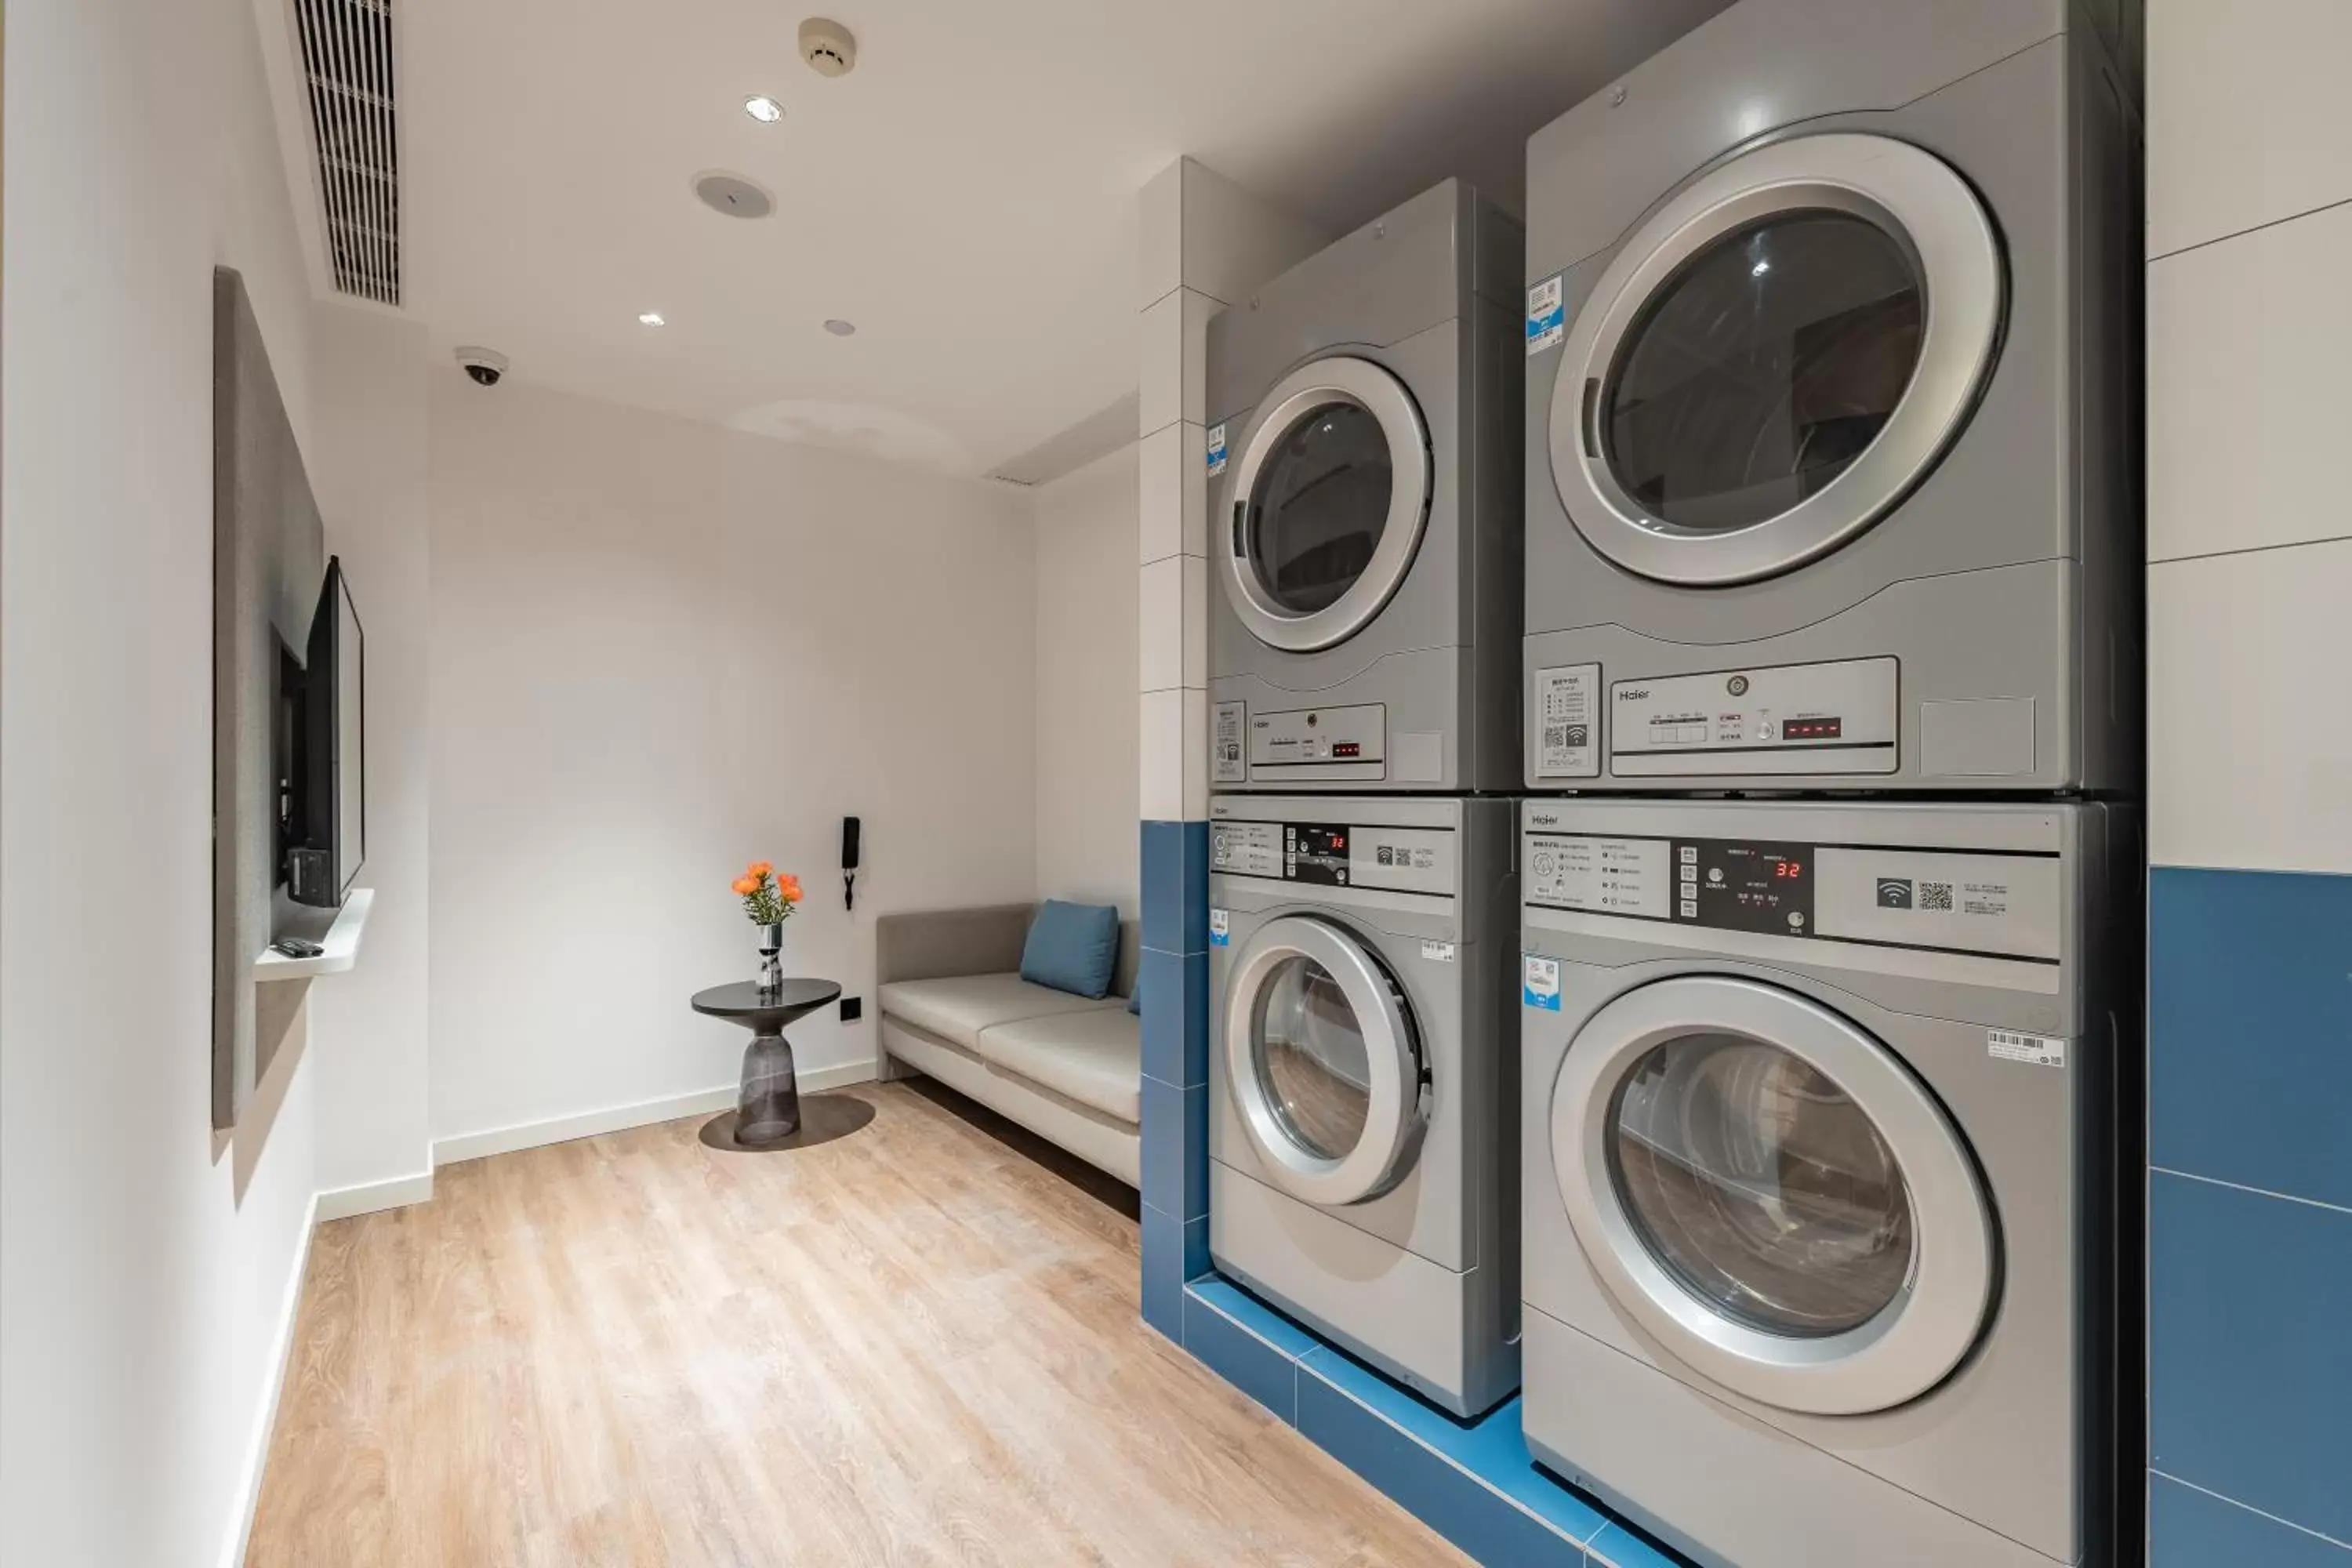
(966, 196)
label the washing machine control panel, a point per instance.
(1994, 904)
(1336, 854)
(1833, 718)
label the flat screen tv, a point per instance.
(330, 786)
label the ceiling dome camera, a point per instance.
(487, 366)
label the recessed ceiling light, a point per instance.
(651, 318)
(841, 329)
(764, 108)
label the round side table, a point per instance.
(768, 1107)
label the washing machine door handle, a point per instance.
(1620, 1074)
(1292, 1101)
(1340, 381)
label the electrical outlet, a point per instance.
(852, 1009)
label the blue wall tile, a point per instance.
(1176, 1038)
(1176, 1148)
(2187, 1528)
(1449, 1498)
(2249, 1360)
(1163, 1272)
(2250, 1030)
(1238, 1347)
(1175, 888)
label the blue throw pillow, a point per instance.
(1072, 947)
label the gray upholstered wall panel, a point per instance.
(268, 556)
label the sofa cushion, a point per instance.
(1073, 948)
(1095, 1058)
(957, 1009)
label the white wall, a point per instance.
(143, 1270)
(369, 384)
(659, 649)
(1086, 727)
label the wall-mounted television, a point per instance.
(327, 834)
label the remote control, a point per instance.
(296, 947)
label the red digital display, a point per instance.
(1812, 729)
(1789, 869)
(1347, 748)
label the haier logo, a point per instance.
(1894, 893)
(1634, 694)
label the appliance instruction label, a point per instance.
(1539, 982)
(1216, 449)
(1221, 925)
(1228, 725)
(1437, 951)
(1568, 721)
(1547, 322)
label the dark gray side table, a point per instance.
(767, 1106)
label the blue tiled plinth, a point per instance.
(1471, 1481)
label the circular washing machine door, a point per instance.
(1323, 1062)
(1772, 1195)
(1776, 358)
(1327, 505)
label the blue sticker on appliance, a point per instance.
(1539, 982)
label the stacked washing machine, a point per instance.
(1831, 872)
(1363, 651)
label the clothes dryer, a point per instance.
(1831, 384)
(1362, 1118)
(1364, 457)
(1822, 1113)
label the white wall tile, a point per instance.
(2249, 751)
(1195, 757)
(2249, 117)
(1175, 498)
(1234, 240)
(1160, 785)
(2249, 410)
(1161, 661)
(1171, 386)
(1159, 245)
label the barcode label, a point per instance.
(2039, 1050)
(1936, 896)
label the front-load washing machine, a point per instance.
(1362, 1079)
(1824, 1112)
(1364, 455)
(1831, 409)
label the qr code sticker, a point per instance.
(1936, 896)
(1555, 736)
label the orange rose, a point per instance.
(745, 887)
(760, 869)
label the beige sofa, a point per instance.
(953, 1004)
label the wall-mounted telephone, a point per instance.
(850, 834)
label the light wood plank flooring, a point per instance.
(917, 1346)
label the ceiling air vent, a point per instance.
(347, 59)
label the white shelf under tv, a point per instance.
(340, 940)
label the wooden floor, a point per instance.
(916, 1345)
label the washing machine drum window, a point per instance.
(1772, 1194)
(1776, 358)
(1323, 1060)
(1329, 500)
(1313, 1068)
(1759, 373)
(1761, 1185)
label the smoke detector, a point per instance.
(827, 46)
(732, 195)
